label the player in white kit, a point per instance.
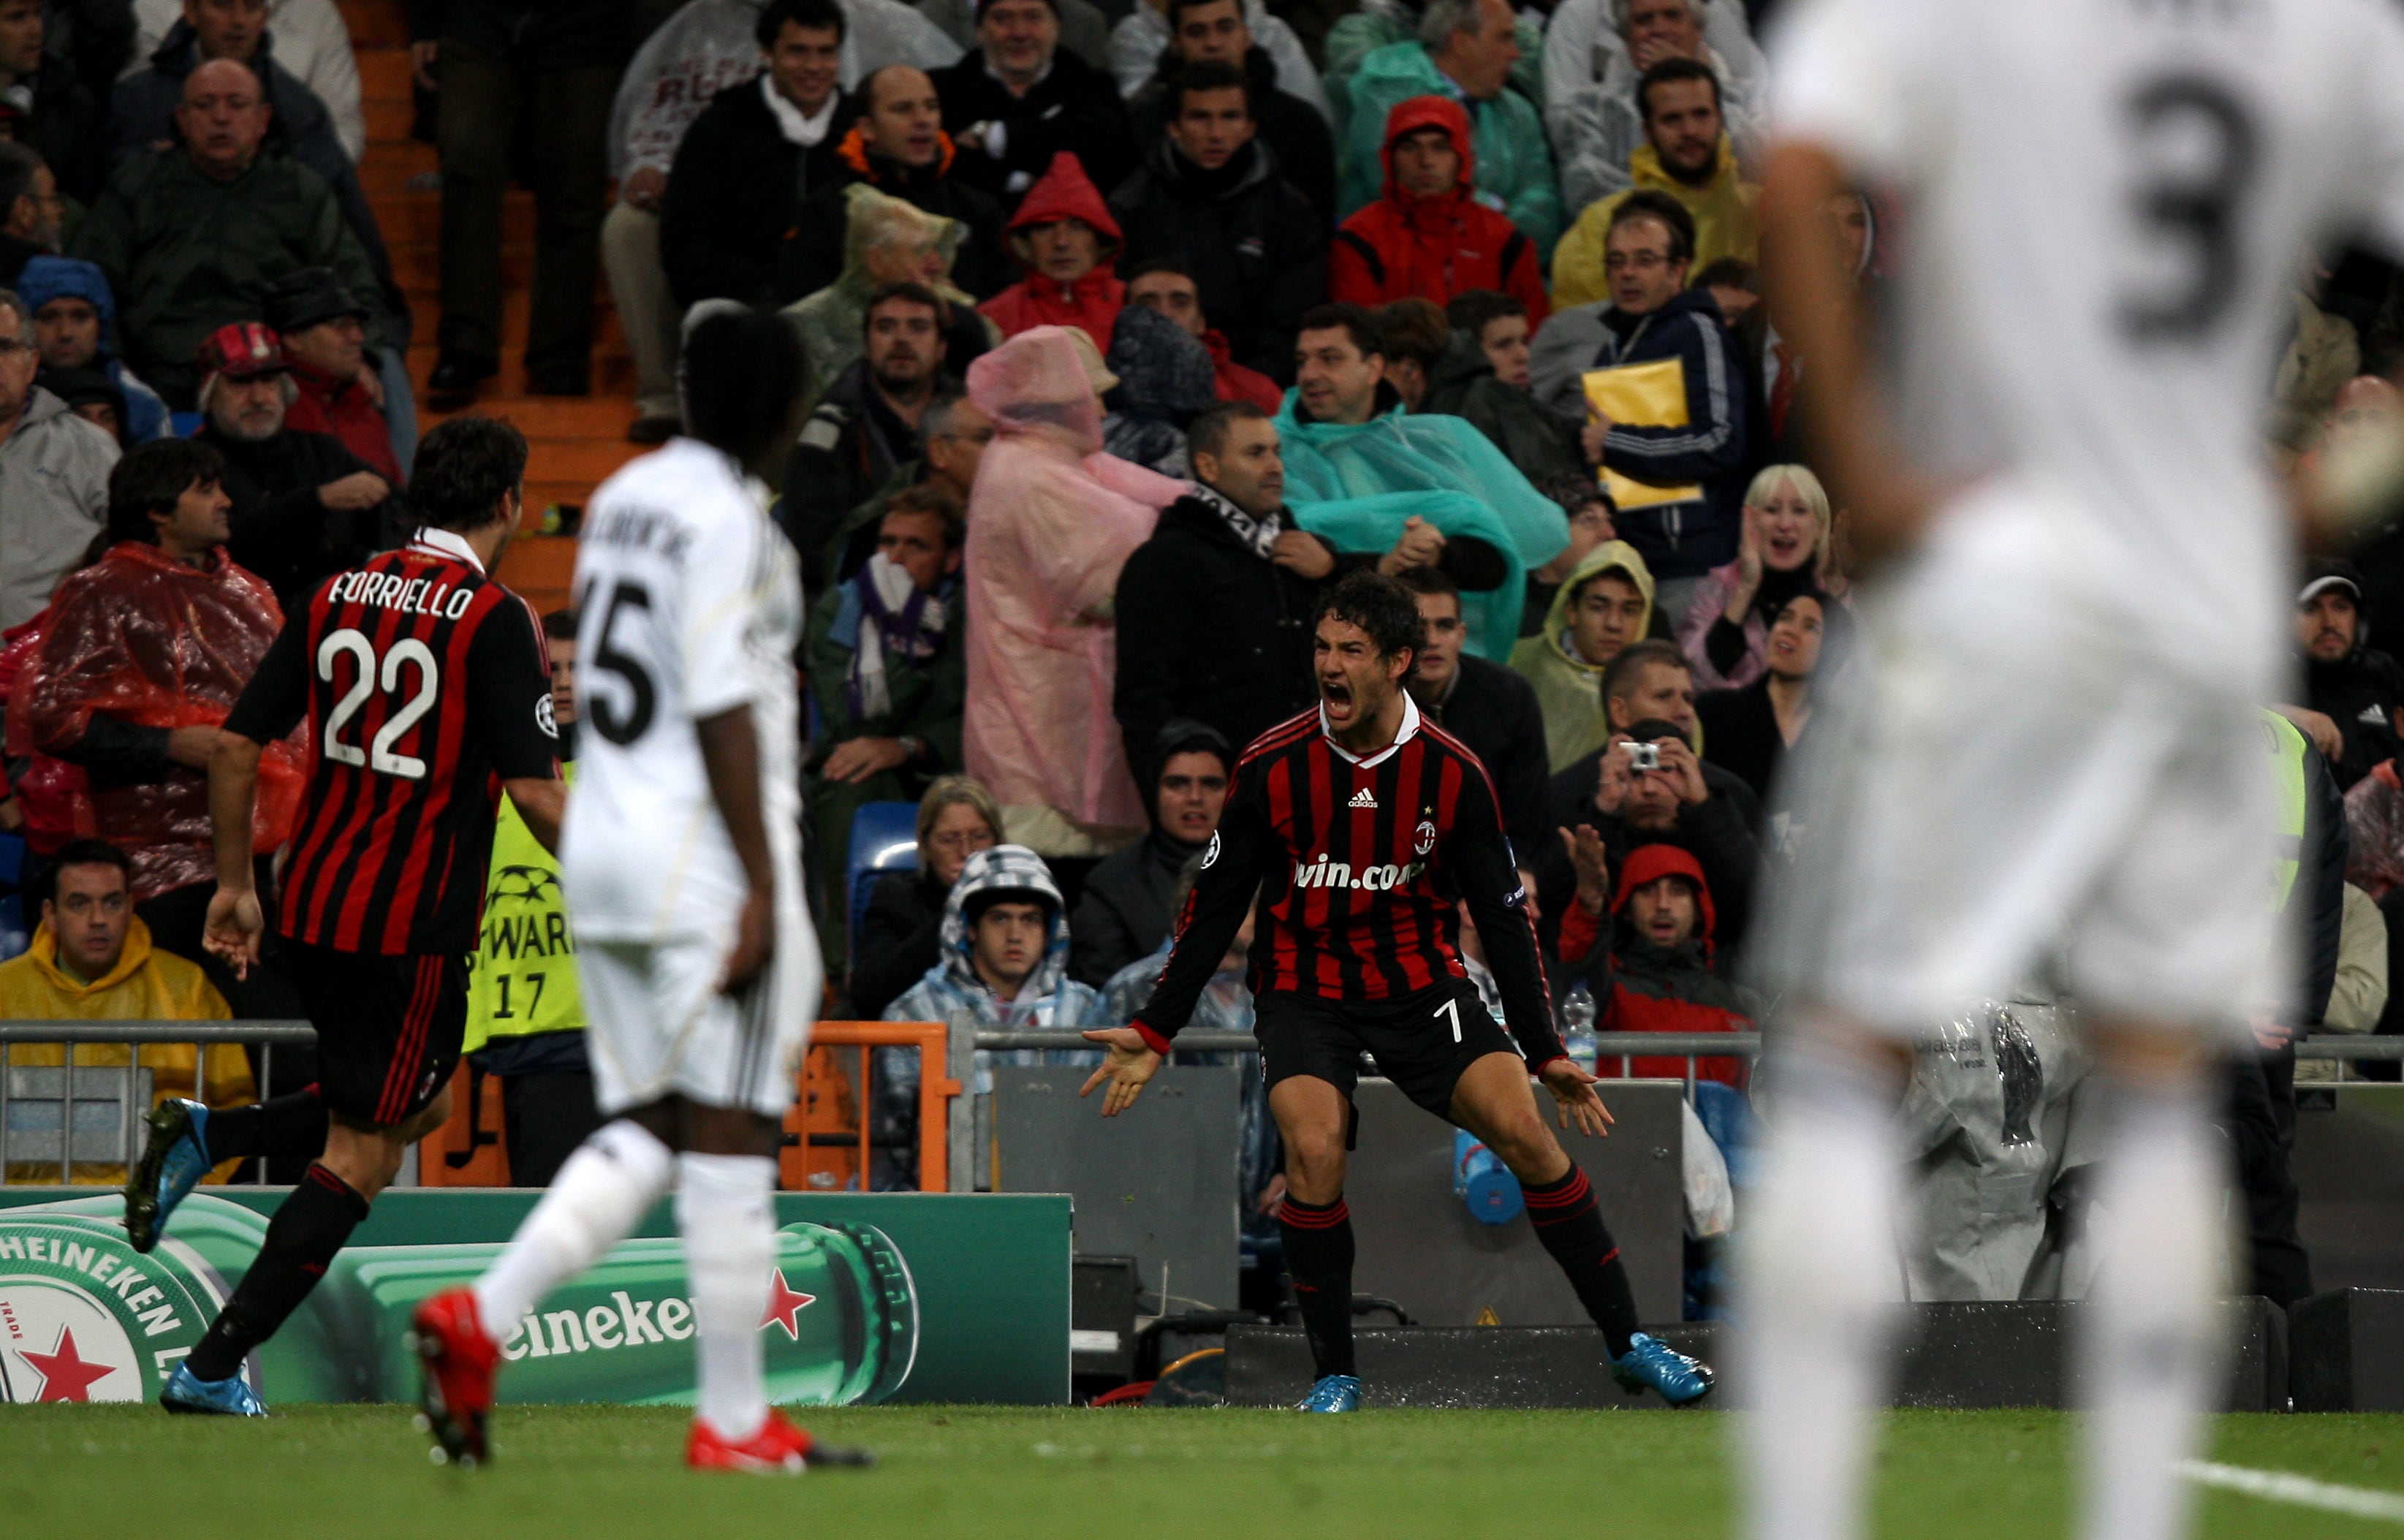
(681, 862)
(2049, 761)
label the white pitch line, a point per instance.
(2300, 1490)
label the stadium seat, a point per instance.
(884, 838)
(15, 934)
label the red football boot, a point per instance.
(459, 1357)
(778, 1449)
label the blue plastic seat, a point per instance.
(884, 838)
(1728, 1117)
(15, 934)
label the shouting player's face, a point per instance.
(1356, 682)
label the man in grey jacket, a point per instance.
(53, 476)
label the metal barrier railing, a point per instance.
(937, 1088)
(201, 1035)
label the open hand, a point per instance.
(1575, 1097)
(1128, 1068)
(1591, 860)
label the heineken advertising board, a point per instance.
(900, 1297)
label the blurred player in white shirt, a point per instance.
(681, 866)
(2050, 761)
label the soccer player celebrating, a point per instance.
(1363, 828)
(683, 874)
(2049, 760)
(425, 683)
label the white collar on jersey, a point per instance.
(443, 542)
(1403, 734)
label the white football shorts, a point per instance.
(2008, 786)
(659, 1026)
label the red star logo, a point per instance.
(66, 1375)
(785, 1308)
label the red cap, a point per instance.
(242, 351)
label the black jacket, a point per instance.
(1709, 450)
(281, 531)
(2361, 693)
(1208, 630)
(1075, 108)
(1292, 129)
(811, 257)
(733, 191)
(1718, 833)
(847, 451)
(1741, 735)
(901, 937)
(1495, 712)
(1123, 914)
(1254, 244)
(66, 126)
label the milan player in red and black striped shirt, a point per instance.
(1361, 828)
(428, 693)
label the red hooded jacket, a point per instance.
(1403, 248)
(1656, 991)
(1092, 302)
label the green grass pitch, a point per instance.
(358, 1473)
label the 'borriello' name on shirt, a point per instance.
(641, 526)
(405, 596)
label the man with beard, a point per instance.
(868, 421)
(304, 506)
(2356, 687)
(1685, 154)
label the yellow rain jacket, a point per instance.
(1569, 688)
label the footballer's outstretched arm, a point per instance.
(730, 754)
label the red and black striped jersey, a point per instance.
(1361, 865)
(426, 685)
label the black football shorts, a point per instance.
(388, 1027)
(1423, 1042)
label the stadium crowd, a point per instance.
(1129, 326)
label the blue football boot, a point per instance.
(185, 1391)
(171, 1165)
(1334, 1393)
(1653, 1365)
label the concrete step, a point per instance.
(383, 72)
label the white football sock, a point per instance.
(2150, 1338)
(1820, 1288)
(609, 1182)
(730, 1246)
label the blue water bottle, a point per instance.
(1482, 1182)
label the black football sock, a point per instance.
(307, 1231)
(1319, 1258)
(280, 1125)
(1571, 1226)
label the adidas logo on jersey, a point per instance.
(1362, 799)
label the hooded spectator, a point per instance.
(55, 116)
(1466, 384)
(1466, 48)
(1050, 524)
(1211, 196)
(1597, 55)
(1787, 548)
(1429, 236)
(1067, 247)
(53, 476)
(1162, 285)
(1288, 106)
(1604, 605)
(1128, 909)
(900, 932)
(2357, 687)
(323, 327)
(75, 324)
(1685, 155)
(887, 240)
(1655, 973)
(1021, 101)
(1163, 378)
(898, 145)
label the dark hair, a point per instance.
(1675, 69)
(1428, 579)
(1653, 204)
(1188, 736)
(1619, 674)
(1726, 272)
(1177, 9)
(742, 373)
(1416, 330)
(1357, 323)
(1208, 433)
(916, 293)
(1472, 310)
(1378, 605)
(150, 478)
(1578, 588)
(817, 15)
(86, 852)
(1208, 74)
(559, 625)
(930, 497)
(464, 468)
(18, 163)
(1150, 265)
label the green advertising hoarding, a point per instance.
(900, 1297)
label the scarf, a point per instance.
(1256, 535)
(798, 128)
(882, 612)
